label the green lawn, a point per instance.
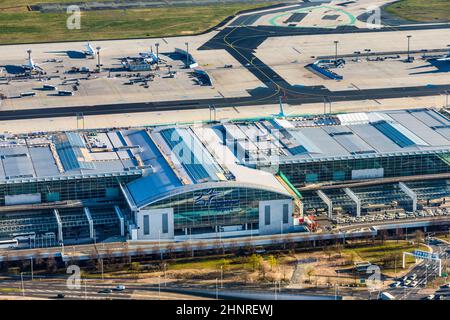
(17, 26)
(377, 254)
(421, 10)
(213, 263)
(10, 290)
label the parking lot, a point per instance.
(345, 219)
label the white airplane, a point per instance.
(30, 65)
(150, 57)
(444, 59)
(89, 52)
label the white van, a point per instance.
(386, 296)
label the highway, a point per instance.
(426, 271)
(49, 287)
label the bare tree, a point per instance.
(6, 263)
(126, 256)
(186, 247)
(140, 255)
(310, 272)
(418, 236)
(170, 249)
(328, 251)
(200, 246)
(51, 264)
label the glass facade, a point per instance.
(78, 188)
(146, 224)
(393, 166)
(285, 213)
(216, 207)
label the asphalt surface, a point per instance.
(240, 42)
(51, 287)
(426, 271)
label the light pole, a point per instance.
(275, 289)
(159, 287)
(335, 51)
(446, 99)
(367, 53)
(187, 54)
(221, 277)
(101, 261)
(409, 39)
(335, 291)
(29, 59)
(31, 265)
(157, 53)
(217, 289)
(23, 287)
(165, 273)
(395, 266)
(215, 112)
(98, 58)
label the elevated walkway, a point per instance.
(298, 204)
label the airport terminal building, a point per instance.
(231, 178)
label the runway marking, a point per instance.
(355, 86)
(296, 50)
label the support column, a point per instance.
(121, 220)
(410, 193)
(440, 267)
(355, 198)
(58, 221)
(328, 202)
(91, 222)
